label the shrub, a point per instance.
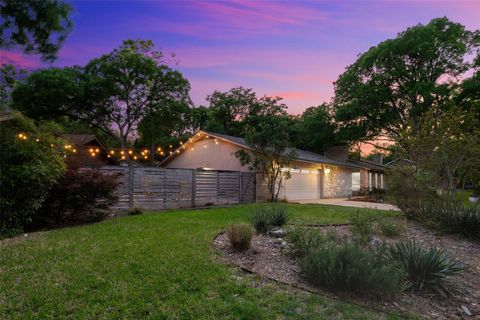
(425, 269)
(240, 236)
(350, 267)
(361, 226)
(390, 229)
(260, 219)
(263, 217)
(460, 220)
(9, 233)
(28, 169)
(135, 211)
(303, 240)
(80, 196)
(278, 215)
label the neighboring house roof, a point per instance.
(368, 164)
(301, 155)
(5, 116)
(399, 161)
(80, 138)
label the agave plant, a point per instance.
(425, 269)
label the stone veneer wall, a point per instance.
(337, 183)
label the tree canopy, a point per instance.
(391, 86)
(37, 27)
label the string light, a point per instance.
(130, 151)
(178, 151)
(112, 152)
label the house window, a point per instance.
(355, 181)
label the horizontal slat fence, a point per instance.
(157, 188)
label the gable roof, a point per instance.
(301, 155)
(80, 139)
(368, 164)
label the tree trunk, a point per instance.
(130, 171)
(152, 154)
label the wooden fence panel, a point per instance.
(158, 188)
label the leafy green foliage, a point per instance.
(28, 169)
(80, 196)
(314, 130)
(240, 236)
(389, 228)
(389, 88)
(38, 27)
(268, 136)
(350, 267)
(425, 269)
(263, 217)
(9, 233)
(229, 109)
(361, 227)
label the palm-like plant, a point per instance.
(426, 269)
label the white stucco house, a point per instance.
(313, 176)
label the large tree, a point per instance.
(268, 134)
(389, 88)
(37, 27)
(314, 130)
(228, 109)
(113, 93)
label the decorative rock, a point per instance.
(466, 311)
(276, 232)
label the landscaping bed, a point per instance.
(270, 257)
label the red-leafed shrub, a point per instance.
(80, 196)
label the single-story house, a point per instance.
(313, 176)
(371, 176)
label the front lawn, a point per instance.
(156, 266)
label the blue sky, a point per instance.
(291, 49)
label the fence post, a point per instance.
(194, 186)
(240, 187)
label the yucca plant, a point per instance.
(260, 220)
(426, 269)
(278, 215)
(263, 217)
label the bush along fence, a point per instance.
(156, 188)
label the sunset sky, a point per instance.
(291, 49)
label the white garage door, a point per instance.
(302, 185)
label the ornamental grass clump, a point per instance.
(263, 217)
(461, 220)
(240, 236)
(425, 269)
(351, 267)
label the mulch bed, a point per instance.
(270, 259)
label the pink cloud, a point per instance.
(18, 59)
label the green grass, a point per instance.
(153, 266)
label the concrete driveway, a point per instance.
(344, 202)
